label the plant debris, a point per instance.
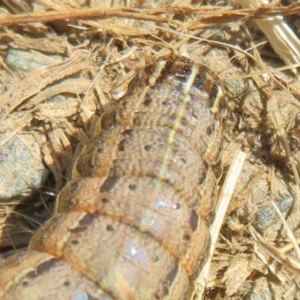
(63, 63)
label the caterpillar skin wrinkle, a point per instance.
(133, 221)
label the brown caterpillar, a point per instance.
(133, 221)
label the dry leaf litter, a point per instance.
(63, 63)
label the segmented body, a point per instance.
(133, 221)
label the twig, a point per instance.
(225, 197)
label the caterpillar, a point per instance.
(133, 221)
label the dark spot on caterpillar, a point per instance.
(214, 93)
(186, 237)
(109, 184)
(110, 228)
(147, 102)
(173, 116)
(183, 160)
(203, 173)
(25, 283)
(86, 220)
(74, 242)
(184, 72)
(127, 132)
(147, 147)
(42, 268)
(194, 218)
(74, 185)
(132, 187)
(99, 150)
(166, 290)
(172, 274)
(136, 120)
(198, 81)
(45, 266)
(201, 178)
(176, 206)
(90, 162)
(194, 115)
(104, 200)
(155, 258)
(205, 164)
(210, 129)
(67, 283)
(184, 121)
(121, 146)
(32, 274)
(166, 103)
(83, 224)
(109, 119)
(165, 72)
